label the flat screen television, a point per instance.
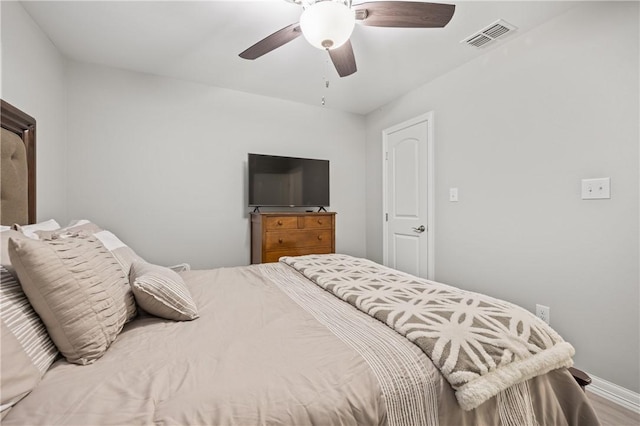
(287, 181)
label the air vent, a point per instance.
(489, 34)
(479, 40)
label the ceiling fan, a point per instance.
(328, 24)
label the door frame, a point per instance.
(428, 118)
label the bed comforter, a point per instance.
(271, 347)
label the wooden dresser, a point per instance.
(291, 234)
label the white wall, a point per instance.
(33, 80)
(162, 162)
(516, 130)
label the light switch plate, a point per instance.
(453, 194)
(596, 189)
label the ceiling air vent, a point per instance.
(489, 34)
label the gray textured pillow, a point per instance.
(26, 349)
(162, 292)
(78, 289)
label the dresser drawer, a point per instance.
(295, 239)
(273, 256)
(277, 234)
(317, 222)
(281, 222)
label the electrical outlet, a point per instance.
(544, 313)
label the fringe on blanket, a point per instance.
(515, 407)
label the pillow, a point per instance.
(4, 247)
(78, 289)
(26, 349)
(30, 230)
(161, 292)
(123, 254)
(20, 231)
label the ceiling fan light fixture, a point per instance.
(327, 24)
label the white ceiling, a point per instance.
(200, 41)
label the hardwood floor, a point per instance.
(611, 414)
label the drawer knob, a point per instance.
(320, 237)
(320, 221)
(280, 222)
(280, 240)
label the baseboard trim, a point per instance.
(614, 393)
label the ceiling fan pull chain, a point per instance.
(326, 72)
(326, 80)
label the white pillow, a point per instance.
(30, 230)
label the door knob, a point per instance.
(419, 229)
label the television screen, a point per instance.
(288, 182)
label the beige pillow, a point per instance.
(78, 289)
(162, 292)
(123, 253)
(27, 352)
(4, 247)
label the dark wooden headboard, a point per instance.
(23, 125)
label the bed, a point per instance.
(309, 340)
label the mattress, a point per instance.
(271, 347)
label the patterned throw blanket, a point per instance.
(481, 345)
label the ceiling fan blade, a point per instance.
(343, 59)
(404, 14)
(272, 42)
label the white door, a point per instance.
(408, 195)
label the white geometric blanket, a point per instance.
(481, 345)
